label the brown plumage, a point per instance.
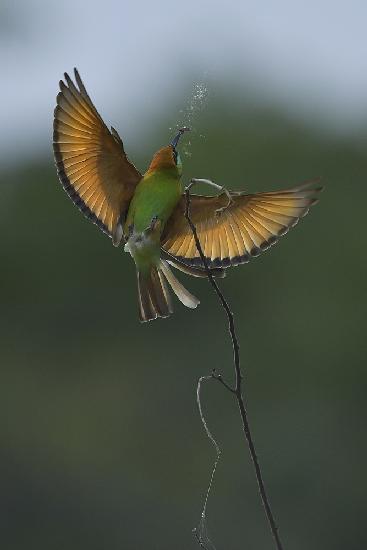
(154, 298)
(250, 225)
(162, 159)
(91, 162)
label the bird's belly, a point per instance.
(143, 248)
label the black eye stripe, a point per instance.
(175, 155)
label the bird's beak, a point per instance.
(175, 140)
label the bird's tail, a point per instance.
(154, 297)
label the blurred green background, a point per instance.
(101, 443)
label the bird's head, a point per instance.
(168, 157)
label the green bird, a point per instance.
(147, 213)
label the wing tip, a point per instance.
(80, 82)
(68, 80)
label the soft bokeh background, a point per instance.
(101, 443)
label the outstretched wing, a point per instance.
(250, 225)
(91, 162)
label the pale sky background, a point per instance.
(310, 58)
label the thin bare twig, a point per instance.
(238, 389)
(200, 532)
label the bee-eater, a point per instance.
(147, 213)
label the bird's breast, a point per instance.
(155, 197)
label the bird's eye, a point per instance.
(175, 155)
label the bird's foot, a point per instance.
(230, 195)
(153, 226)
(222, 189)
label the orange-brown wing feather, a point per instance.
(91, 162)
(250, 225)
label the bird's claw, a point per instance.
(229, 194)
(154, 225)
(222, 189)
